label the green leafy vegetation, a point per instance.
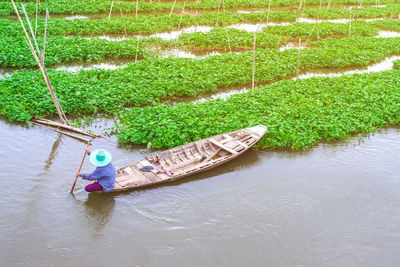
(392, 25)
(98, 6)
(323, 30)
(144, 23)
(239, 39)
(152, 81)
(298, 113)
(16, 53)
(396, 64)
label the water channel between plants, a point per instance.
(334, 205)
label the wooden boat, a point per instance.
(188, 159)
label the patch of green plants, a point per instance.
(16, 53)
(153, 81)
(144, 23)
(391, 25)
(83, 7)
(213, 4)
(298, 113)
(98, 6)
(323, 30)
(396, 64)
(364, 12)
(217, 38)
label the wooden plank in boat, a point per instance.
(153, 177)
(222, 146)
(226, 139)
(136, 176)
(198, 147)
(186, 153)
(171, 156)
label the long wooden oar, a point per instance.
(80, 167)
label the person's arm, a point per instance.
(91, 176)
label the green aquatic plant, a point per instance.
(238, 39)
(298, 113)
(16, 53)
(391, 25)
(396, 64)
(97, 6)
(153, 81)
(325, 29)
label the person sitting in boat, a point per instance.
(103, 177)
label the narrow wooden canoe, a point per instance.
(188, 159)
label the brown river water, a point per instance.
(334, 205)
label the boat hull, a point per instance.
(182, 161)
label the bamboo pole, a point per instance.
(58, 106)
(109, 15)
(180, 21)
(137, 8)
(219, 5)
(123, 20)
(172, 9)
(329, 4)
(298, 59)
(300, 5)
(65, 133)
(350, 26)
(254, 48)
(254, 63)
(309, 36)
(37, 6)
(40, 66)
(80, 166)
(45, 35)
(137, 47)
(67, 127)
(319, 11)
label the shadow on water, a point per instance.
(54, 152)
(98, 209)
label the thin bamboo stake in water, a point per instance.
(109, 15)
(304, 6)
(172, 9)
(269, 10)
(254, 63)
(123, 21)
(350, 26)
(319, 11)
(219, 5)
(58, 106)
(80, 167)
(44, 37)
(55, 101)
(137, 47)
(137, 7)
(300, 5)
(298, 58)
(309, 36)
(37, 6)
(329, 4)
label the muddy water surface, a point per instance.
(335, 205)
